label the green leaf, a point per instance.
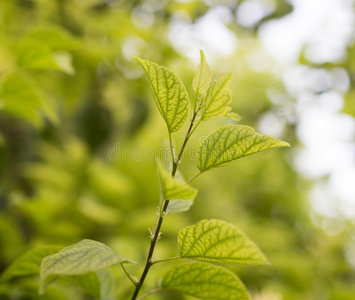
(218, 241)
(232, 142)
(169, 94)
(56, 38)
(234, 116)
(83, 257)
(89, 282)
(107, 284)
(35, 55)
(203, 77)
(64, 61)
(177, 206)
(20, 98)
(172, 188)
(205, 281)
(217, 99)
(28, 263)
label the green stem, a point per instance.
(187, 137)
(149, 261)
(172, 149)
(155, 261)
(193, 177)
(150, 292)
(132, 278)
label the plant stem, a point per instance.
(149, 293)
(172, 149)
(132, 278)
(187, 137)
(155, 261)
(149, 261)
(193, 177)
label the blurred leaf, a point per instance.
(97, 211)
(234, 116)
(107, 182)
(172, 188)
(107, 284)
(169, 94)
(177, 206)
(80, 258)
(21, 98)
(202, 80)
(89, 282)
(64, 61)
(28, 263)
(217, 99)
(56, 38)
(232, 142)
(205, 281)
(11, 238)
(35, 55)
(349, 103)
(218, 241)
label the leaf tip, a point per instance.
(136, 58)
(284, 144)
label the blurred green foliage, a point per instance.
(73, 109)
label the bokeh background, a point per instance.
(72, 100)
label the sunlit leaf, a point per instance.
(177, 206)
(217, 99)
(203, 77)
(218, 241)
(234, 116)
(28, 263)
(205, 281)
(172, 188)
(169, 94)
(64, 61)
(85, 256)
(232, 142)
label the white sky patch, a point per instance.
(209, 33)
(324, 26)
(249, 13)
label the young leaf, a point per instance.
(172, 188)
(218, 241)
(232, 142)
(169, 94)
(203, 77)
(233, 116)
(85, 256)
(28, 263)
(217, 99)
(177, 206)
(205, 281)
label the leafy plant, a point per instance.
(208, 241)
